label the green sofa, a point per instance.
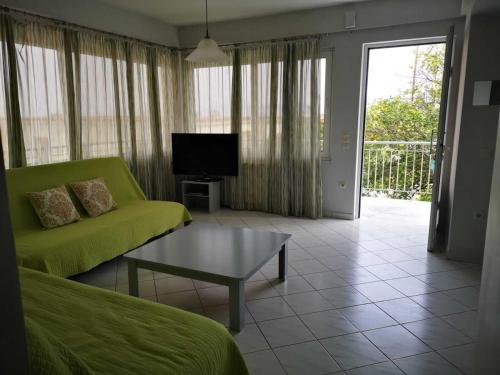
(79, 329)
(78, 247)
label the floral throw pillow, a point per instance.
(54, 207)
(94, 196)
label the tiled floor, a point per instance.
(362, 297)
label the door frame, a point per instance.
(365, 61)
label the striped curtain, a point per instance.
(269, 95)
(69, 95)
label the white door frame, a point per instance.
(362, 103)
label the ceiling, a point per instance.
(186, 12)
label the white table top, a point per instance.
(213, 249)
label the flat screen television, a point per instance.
(205, 155)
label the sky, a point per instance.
(390, 71)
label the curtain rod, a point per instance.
(274, 40)
(280, 40)
(76, 27)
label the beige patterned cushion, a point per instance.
(54, 207)
(94, 196)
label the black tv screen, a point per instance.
(205, 154)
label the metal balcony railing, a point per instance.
(398, 168)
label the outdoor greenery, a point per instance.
(402, 171)
(413, 114)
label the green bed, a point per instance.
(110, 333)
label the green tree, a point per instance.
(399, 119)
(413, 114)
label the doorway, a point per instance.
(402, 99)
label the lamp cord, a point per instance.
(206, 19)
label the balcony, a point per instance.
(398, 169)
(397, 184)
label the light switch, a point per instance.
(350, 19)
(486, 93)
(346, 140)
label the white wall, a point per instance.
(370, 14)
(475, 137)
(488, 344)
(98, 15)
(377, 21)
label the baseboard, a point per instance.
(338, 215)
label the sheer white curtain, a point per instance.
(72, 95)
(207, 96)
(128, 108)
(273, 94)
(42, 92)
(257, 127)
(301, 127)
(170, 109)
(97, 96)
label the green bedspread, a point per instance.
(118, 334)
(78, 247)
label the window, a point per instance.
(257, 108)
(42, 99)
(98, 112)
(325, 64)
(212, 97)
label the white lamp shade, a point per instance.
(207, 51)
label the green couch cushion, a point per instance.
(118, 178)
(78, 247)
(118, 334)
(49, 356)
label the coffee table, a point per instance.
(214, 253)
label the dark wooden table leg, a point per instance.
(283, 262)
(237, 305)
(133, 281)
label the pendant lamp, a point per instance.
(207, 50)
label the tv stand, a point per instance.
(206, 179)
(202, 194)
